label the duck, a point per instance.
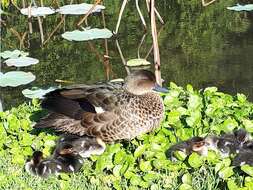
(109, 111)
(68, 156)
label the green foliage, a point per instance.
(142, 162)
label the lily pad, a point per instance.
(137, 62)
(36, 92)
(13, 54)
(21, 61)
(16, 78)
(88, 34)
(238, 7)
(38, 11)
(78, 9)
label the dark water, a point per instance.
(209, 46)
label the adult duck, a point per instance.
(108, 111)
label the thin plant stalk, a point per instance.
(106, 56)
(88, 13)
(55, 29)
(1, 105)
(139, 47)
(122, 57)
(120, 15)
(156, 12)
(208, 3)
(140, 14)
(30, 20)
(151, 48)
(155, 43)
(41, 30)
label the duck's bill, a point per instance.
(158, 88)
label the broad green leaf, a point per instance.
(229, 125)
(119, 157)
(88, 34)
(16, 78)
(173, 116)
(137, 62)
(248, 124)
(238, 7)
(180, 155)
(151, 176)
(13, 54)
(247, 169)
(36, 92)
(116, 170)
(135, 180)
(185, 187)
(195, 160)
(140, 150)
(194, 102)
(187, 179)
(78, 9)
(232, 185)
(145, 166)
(241, 97)
(21, 61)
(249, 182)
(37, 11)
(226, 172)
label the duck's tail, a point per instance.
(61, 123)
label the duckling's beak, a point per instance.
(158, 88)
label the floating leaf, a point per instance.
(238, 7)
(16, 78)
(79, 9)
(13, 54)
(137, 62)
(88, 34)
(21, 61)
(38, 11)
(36, 92)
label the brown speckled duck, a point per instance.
(109, 111)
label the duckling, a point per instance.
(67, 156)
(244, 157)
(110, 112)
(65, 161)
(231, 143)
(84, 146)
(195, 144)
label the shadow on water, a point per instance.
(209, 46)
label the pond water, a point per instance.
(209, 46)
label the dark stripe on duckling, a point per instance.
(110, 112)
(67, 157)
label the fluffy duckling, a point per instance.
(244, 157)
(228, 143)
(195, 144)
(67, 156)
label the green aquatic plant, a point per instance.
(140, 163)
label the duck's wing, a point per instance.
(90, 98)
(109, 125)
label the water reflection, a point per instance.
(203, 47)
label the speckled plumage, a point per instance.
(128, 110)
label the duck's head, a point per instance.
(141, 82)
